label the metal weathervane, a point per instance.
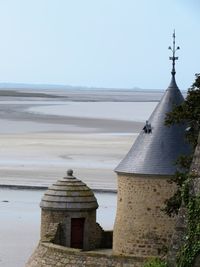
(173, 58)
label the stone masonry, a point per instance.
(51, 255)
(141, 227)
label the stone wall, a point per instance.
(141, 228)
(51, 255)
(48, 218)
(93, 233)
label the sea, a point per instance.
(19, 209)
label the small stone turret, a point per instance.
(69, 213)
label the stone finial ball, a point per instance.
(70, 172)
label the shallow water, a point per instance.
(19, 209)
(20, 222)
(129, 111)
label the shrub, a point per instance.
(155, 262)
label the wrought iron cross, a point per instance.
(173, 49)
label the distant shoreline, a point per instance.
(78, 95)
(32, 187)
(44, 86)
(14, 93)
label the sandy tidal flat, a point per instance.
(40, 159)
(40, 140)
(129, 111)
(37, 147)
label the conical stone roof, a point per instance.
(69, 193)
(156, 152)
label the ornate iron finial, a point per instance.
(173, 58)
(70, 172)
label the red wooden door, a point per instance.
(77, 229)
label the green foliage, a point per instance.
(173, 204)
(188, 111)
(155, 262)
(191, 246)
(184, 162)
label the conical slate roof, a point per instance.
(69, 193)
(156, 152)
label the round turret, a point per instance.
(69, 213)
(143, 182)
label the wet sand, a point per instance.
(18, 115)
(39, 159)
(36, 149)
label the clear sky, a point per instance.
(101, 43)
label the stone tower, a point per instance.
(141, 227)
(69, 208)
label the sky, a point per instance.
(99, 43)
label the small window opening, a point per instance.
(147, 128)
